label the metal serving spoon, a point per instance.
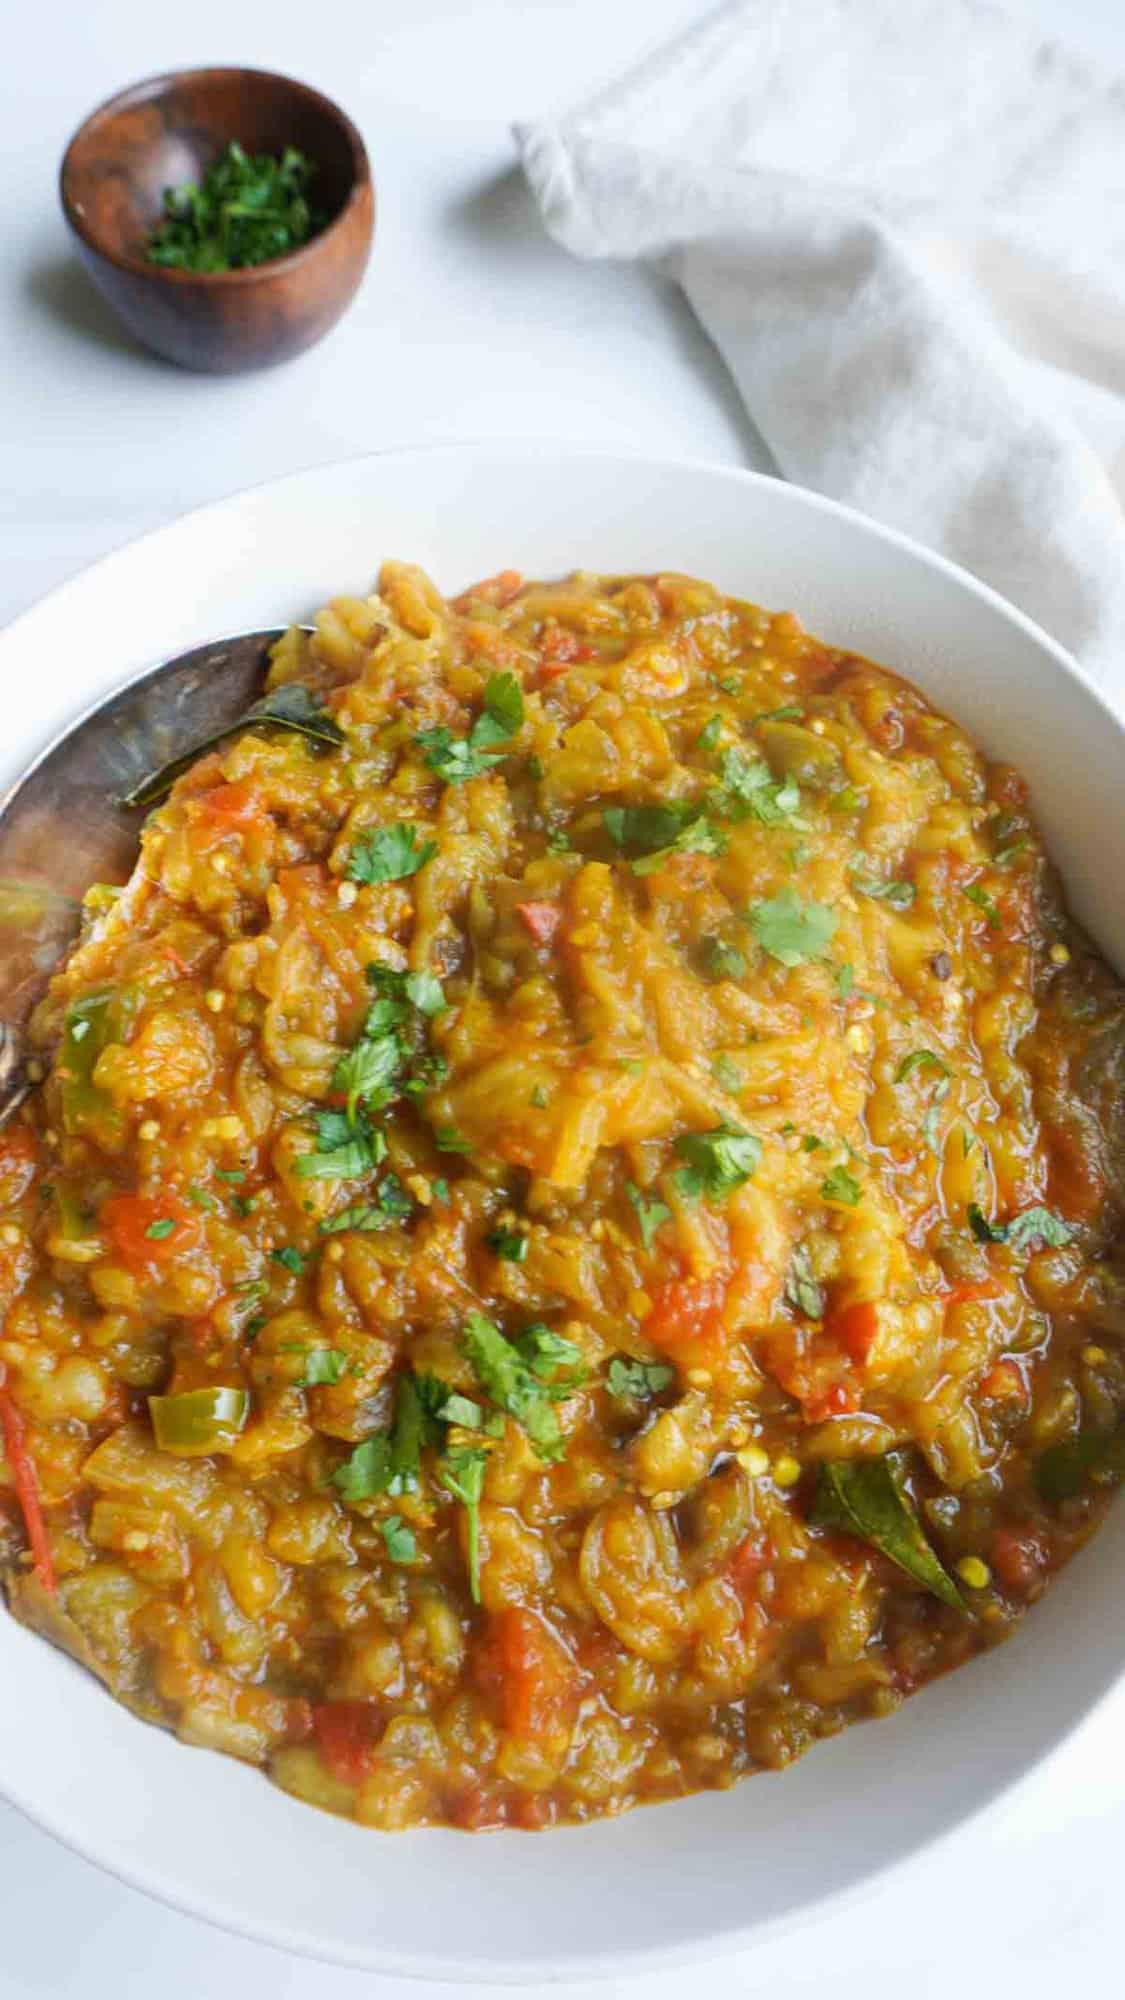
(62, 826)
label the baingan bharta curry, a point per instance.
(565, 1245)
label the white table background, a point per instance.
(470, 324)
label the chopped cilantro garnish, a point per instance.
(920, 1059)
(546, 1352)
(810, 1143)
(462, 1411)
(389, 854)
(323, 1368)
(801, 1287)
(651, 1215)
(637, 1380)
(983, 901)
(510, 1245)
(750, 791)
(727, 1073)
(841, 1186)
(390, 1462)
(157, 1231)
(423, 990)
(341, 1154)
(539, 1098)
(1035, 1225)
(717, 1162)
(369, 1071)
(710, 733)
(457, 758)
(723, 961)
(441, 1191)
(391, 1204)
(461, 1472)
(792, 931)
(652, 833)
(230, 1173)
(398, 1538)
(845, 980)
(790, 713)
(291, 1258)
(512, 1384)
(199, 1198)
(246, 208)
(448, 1139)
(900, 895)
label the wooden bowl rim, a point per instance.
(154, 86)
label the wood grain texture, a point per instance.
(170, 129)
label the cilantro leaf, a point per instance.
(461, 1472)
(841, 1186)
(546, 1351)
(698, 837)
(801, 1287)
(510, 1245)
(717, 1162)
(651, 1215)
(750, 791)
(503, 712)
(246, 208)
(391, 1204)
(1035, 1225)
(398, 1539)
(323, 1368)
(723, 961)
(899, 895)
(628, 1379)
(290, 1258)
(646, 829)
(920, 1059)
(388, 854)
(424, 991)
(341, 1152)
(980, 897)
(727, 1074)
(391, 1461)
(792, 931)
(157, 1231)
(369, 1071)
(709, 735)
(453, 758)
(511, 1384)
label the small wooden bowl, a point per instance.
(170, 129)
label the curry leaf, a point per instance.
(290, 706)
(865, 1497)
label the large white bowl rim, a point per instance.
(710, 1873)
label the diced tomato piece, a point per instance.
(499, 590)
(750, 1558)
(235, 804)
(1019, 1558)
(26, 1482)
(345, 1733)
(838, 1401)
(1004, 1383)
(535, 1812)
(560, 648)
(532, 1675)
(855, 1328)
(540, 920)
(973, 1294)
(138, 1226)
(685, 1310)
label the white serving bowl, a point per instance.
(717, 1871)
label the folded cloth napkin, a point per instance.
(903, 225)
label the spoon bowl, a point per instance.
(62, 824)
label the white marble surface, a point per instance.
(469, 325)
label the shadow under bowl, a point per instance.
(170, 129)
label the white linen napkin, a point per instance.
(903, 224)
